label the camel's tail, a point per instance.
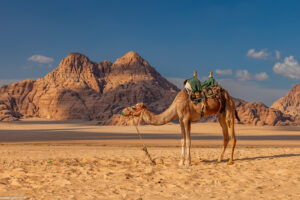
(236, 115)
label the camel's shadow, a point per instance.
(256, 158)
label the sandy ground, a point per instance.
(42, 159)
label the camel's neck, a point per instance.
(162, 118)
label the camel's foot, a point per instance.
(220, 160)
(230, 162)
(187, 164)
(181, 162)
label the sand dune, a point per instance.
(93, 172)
(62, 168)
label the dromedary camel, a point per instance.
(187, 111)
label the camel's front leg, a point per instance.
(187, 126)
(181, 162)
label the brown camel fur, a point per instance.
(187, 111)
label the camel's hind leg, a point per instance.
(230, 124)
(183, 143)
(187, 126)
(222, 121)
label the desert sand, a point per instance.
(42, 159)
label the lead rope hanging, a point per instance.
(144, 148)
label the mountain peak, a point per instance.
(74, 64)
(295, 88)
(131, 56)
(76, 56)
(74, 59)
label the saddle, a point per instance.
(202, 96)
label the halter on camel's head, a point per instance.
(135, 110)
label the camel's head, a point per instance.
(135, 110)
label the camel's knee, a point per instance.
(226, 139)
(230, 123)
(233, 141)
(182, 142)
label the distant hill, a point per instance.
(257, 113)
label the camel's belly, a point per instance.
(212, 107)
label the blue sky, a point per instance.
(239, 39)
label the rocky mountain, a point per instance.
(289, 104)
(257, 113)
(81, 89)
(7, 105)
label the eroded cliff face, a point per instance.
(289, 104)
(257, 113)
(81, 89)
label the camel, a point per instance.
(187, 112)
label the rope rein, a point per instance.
(144, 148)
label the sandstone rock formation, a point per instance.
(7, 105)
(289, 104)
(81, 89)
(257, 113)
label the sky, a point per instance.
(251, 46)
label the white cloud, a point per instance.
(246, 90)
(261, 76)
(252, 91)
(243, 75)
(40, 59)
(289, 68)
(262, 54)
(277, 54)
(224, 71)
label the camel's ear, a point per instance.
(139, 105)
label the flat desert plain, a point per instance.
(42, 159)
